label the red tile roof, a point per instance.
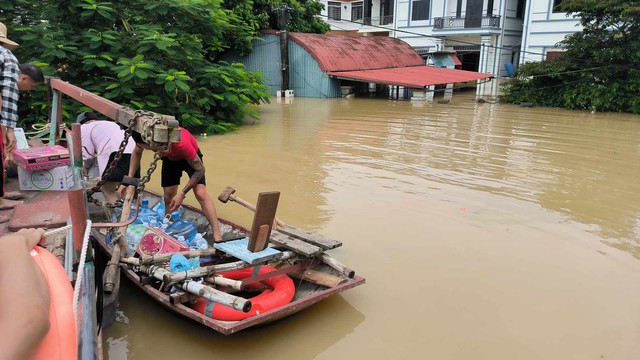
(412, 77)
(348, 53)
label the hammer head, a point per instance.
(226, 194)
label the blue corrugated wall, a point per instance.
(305, 76)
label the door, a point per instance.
(473, 14)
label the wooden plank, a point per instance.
(265, 215)
(295, 245)
(312, 238)
(238, 249)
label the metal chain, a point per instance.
(148, 137)
(154, 164)
(114, 163)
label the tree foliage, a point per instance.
(160, 55)
(599, 69)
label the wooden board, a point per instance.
(312, 238)
(296, 245)
(238, 248)
(265, 215)
(41, 214)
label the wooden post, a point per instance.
(337, 265)
(120, 248)
(319, 278)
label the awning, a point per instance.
(455, 59)
(416, 77)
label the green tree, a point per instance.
(264, 14)
(160, 55)
(598, 70)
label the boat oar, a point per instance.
(201, 290)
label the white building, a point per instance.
(489, 36)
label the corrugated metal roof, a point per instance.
(349, 53)
(416, 77)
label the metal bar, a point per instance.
(121, 114)
(55, 104)
(284, 270)
(87, 344)
(77, 196)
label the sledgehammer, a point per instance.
(316, 239)
(227, 195)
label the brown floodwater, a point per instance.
(485, 231)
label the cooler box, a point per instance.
(155, 241)
(42, 157)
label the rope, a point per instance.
(58, 230)
(79, 278)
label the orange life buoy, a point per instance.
(282, 293)
(60, 341)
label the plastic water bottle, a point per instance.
(144, 214)
(198, 243)
(184, 228)
(182, 241)
(181, 210)
(181, 227)
(160, 209)
(134, 235)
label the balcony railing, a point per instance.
(377, 21)
(446, 23)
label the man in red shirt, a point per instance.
(182, 156)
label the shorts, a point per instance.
(172, 171)
(122, 168)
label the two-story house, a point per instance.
(489, 36)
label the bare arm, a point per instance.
(24, 296)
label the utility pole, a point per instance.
(283, 21)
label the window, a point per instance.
(556, 6)
(520, 9)
(334, 11)
(420, 10)
(356, 11)
(459, 9)
(490, 8)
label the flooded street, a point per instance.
(485, 231)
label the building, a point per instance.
(488, 36)
(324, 66)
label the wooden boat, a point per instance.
(303, 259)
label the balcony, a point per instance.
(377, 21)
(460, 23)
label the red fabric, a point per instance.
(186, 149)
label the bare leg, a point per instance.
(208, 209)
(169, 193)
(109, 191)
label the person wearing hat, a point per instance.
(13, 78)
(101, 141)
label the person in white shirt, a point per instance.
(101, 140)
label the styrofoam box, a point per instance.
(60, 178)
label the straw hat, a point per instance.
(11, 45)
